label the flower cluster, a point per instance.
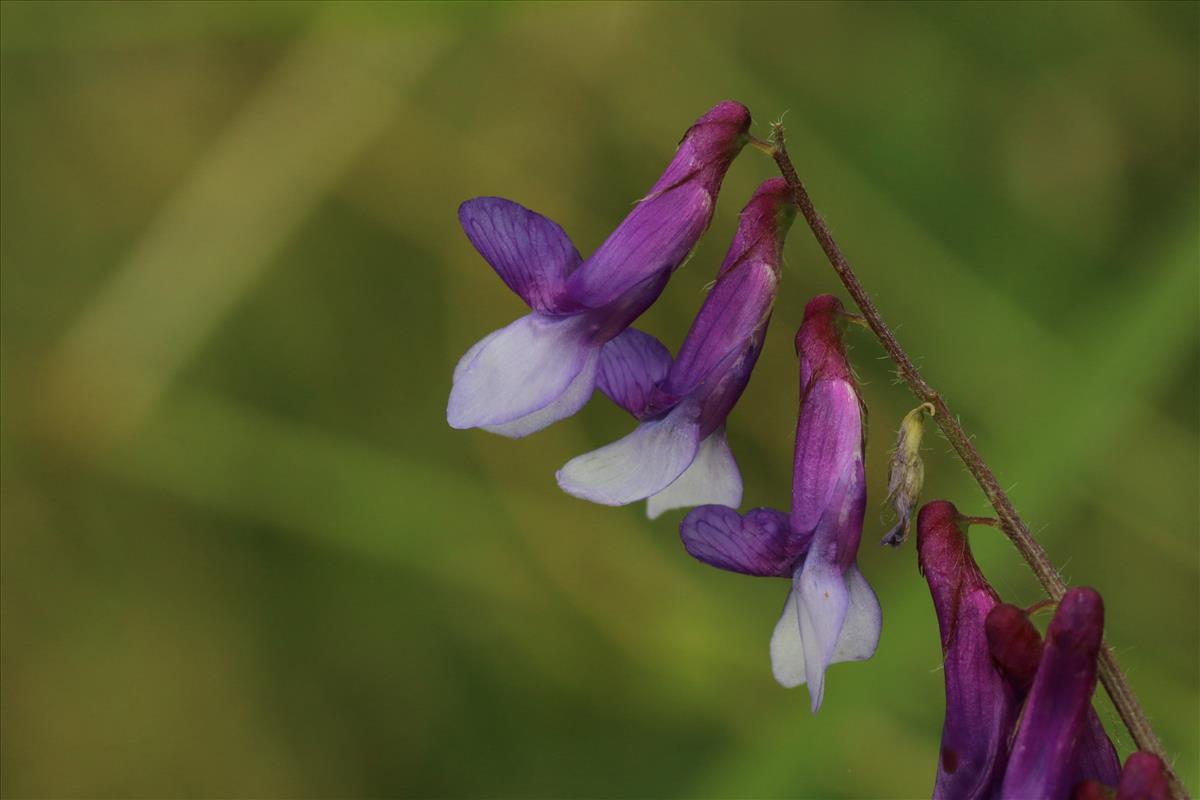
(1019, 721)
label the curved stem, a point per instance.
(1011, 523)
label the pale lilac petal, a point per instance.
(787, 648)
(630, 366)
(531, 253)
(857, 641)
(864, 620)
(573, 398)
(828, 440)
(713, 477)
(758, 543)
(823, 605)
(518, 370)
(1055, 713)
(469, 356)
(643, 463)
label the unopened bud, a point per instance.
(907, 474)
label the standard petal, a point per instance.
(531, 253)
(864, 620)
(787, 648)
(828, 440)
(737, 307)
(643, 463)
(657, 236)
(713, 477)
(518, 370)
(1055, 713)
(573, 398)
(630, 366)
(758, 543)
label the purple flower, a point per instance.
(831, 614)
(1017, 649)
(1061, 741)
(997, 671)
(678, 456)
(543, 367)
(981, 706)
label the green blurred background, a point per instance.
(243, 554)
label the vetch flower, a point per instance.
(981, 706)
(678, 456)
(831, 614)
(1060, 741)
(999, 677)
(907, 474)
(543, 367)
(1017, 648)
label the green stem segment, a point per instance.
(1011, 523)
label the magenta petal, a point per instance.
(981, 706)
(630, 366)
(657, 236)
(735, 310)
(1055, 715)
(661, 231)
(1144, 778)
(531, 253)
(757, 543)
(828, 440)
(1016, 647)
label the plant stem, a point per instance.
(1011, 523)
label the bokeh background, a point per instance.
(243, 554)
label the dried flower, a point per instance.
(907, 474)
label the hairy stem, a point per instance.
(1011, 523)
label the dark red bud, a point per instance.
(1015, 644)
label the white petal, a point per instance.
(822, 607)
(787, 650)
(469, 356)
(643, 463)
(712, 479)
(864, 620)
(574, 398)
(518, 370)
